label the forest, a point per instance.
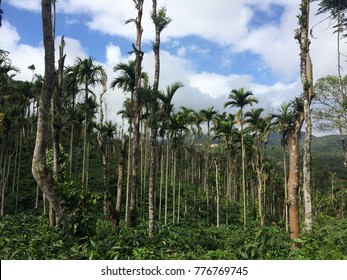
(169, 183)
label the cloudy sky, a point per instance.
(212, 47)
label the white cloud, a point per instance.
(31, 5)
(9, 36)
(113, 54)
(22, 55)
(217, 85)
(223, 22)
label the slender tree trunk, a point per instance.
(132, 219)
(20, 148)
(128, 175)
(217, 192)
(120, 182)
(166, 180)
(72, 134)
(152, 182)
(85, 140)
(173, 184)
(161, 183)
(285, 188)
(40, 170)
(307, 83)
(259, 171)
(5, 172)
(104, 148)
(56, 112)
(243, 177)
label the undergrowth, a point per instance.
(28, 236)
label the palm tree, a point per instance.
(166, 110)
(126, 82)
(71, 90)
(258, 126)
(207, 115)
(281, 124)
(225, 131)
(177, 126)
(88, 75)
(240, 99)
(161, 21)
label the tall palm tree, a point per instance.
(281, 124)
(207, 116)
(161, 21)
(177, 127)
(240, 99)
(225, 131)
(88, 74)
(258, 126)
(166, 110)
(137, 47)
(71, 90)
(126, 82)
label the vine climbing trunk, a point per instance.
(307, 85)
(40, 171)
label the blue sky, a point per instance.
(210, 46)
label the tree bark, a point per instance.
(153, 140)
(40, 170)
(120, 182)
(307, 84)
(132, 219)
(293, 182)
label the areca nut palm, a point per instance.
(88, 74)
(240, 99)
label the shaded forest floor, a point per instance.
(28, 236)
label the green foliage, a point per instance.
(327, 242)
(30, 237)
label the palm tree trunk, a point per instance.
(120, 182)
(243, 180)
(161, 182)
(71, 147)
(285, 188)
(132, 219)
(5, 172)
(217, 193)
(166, 180)
(173, 184)
(85, 140)
(128, 175)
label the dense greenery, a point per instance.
(172, 183)
(26, 236)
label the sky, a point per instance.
(212, 47)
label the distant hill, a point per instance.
(327, 154)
